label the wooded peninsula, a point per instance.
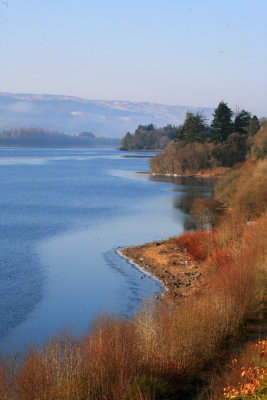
(195, 146)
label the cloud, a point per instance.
(76, 113)
(21, 107)
(125, 118)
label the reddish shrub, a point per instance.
(220, 258)
(197, 244)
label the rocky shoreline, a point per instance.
(206, 174)
(175, 269)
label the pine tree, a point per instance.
(194, 129)
(241, 122)
(222, 125)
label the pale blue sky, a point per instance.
(183, 52)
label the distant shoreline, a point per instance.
(56, 147)
(204, 176)
(143, 150)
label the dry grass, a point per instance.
(245, 188)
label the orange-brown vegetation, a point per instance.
(180, 159)
(197, 244)
(154, 355)
(245, 377)
(252, 378)
(259, 143)
(245, 188)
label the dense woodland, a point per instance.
(34, 137)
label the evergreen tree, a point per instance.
(149, 127)
(180, 134)
(241, 122)
(231, 151)
(194, 129)
(126, 142)
(221, 126)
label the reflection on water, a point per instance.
(182, 180)
(188, 189)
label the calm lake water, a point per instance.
(64, 214)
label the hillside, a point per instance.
(74, 115)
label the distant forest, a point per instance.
(34, 137)
(148, 137)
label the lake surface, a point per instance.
(63, 215)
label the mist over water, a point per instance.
(63, 216)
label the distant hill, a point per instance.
(74, 115)
(34, 137)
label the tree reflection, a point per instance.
(186, 190)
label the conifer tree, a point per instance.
(241, 122)
(194, 128)
(222, 125)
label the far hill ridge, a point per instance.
(72, 115)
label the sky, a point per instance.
(178, 52)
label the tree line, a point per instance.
(148, 137)
(225, 128)
(229, 139)
(195, 128)
(36, 137)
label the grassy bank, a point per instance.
(168, 350)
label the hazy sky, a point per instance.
(183, 52)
